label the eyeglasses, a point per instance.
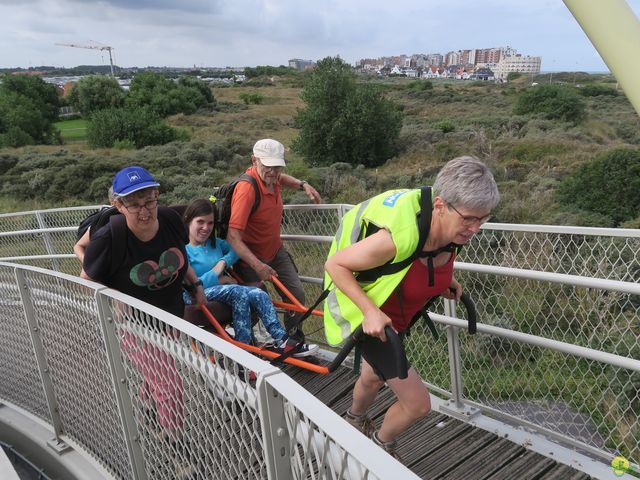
(468, 220)
(150, 205)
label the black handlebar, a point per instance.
(471, 312)
(399, 358)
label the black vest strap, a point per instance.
(424, 225)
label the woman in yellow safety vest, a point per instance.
(383, 267)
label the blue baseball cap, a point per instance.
(131, 179)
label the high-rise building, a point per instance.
(517, 63)
(300, 64)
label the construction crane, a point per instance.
(93, 47)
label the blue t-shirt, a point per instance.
(203, 258)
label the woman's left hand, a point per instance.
(457, 290)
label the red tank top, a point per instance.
(416, 292)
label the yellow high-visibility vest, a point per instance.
(397, 212)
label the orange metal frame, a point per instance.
(295, 306)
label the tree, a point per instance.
(137, 126)
(553, 102)
(343, 121)
(28, 106)
(166, 97)
(43, 94)
(96, 92)
(609, 185)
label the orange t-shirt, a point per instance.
(260, 230)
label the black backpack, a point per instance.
(222, 198)
(94, 221)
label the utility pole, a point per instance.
(93, 47)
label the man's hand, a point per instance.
(374, 323)
(312, 193)
(265, 272)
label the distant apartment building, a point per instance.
(435, 59)
(300, 64)
(517, 63)
(452, 58)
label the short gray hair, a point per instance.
(467, 182)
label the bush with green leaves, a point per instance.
(553, 102)
(445, 126)
(96, 92)
(166, 97)
(28, 108)
(344, 121)
(139, 126)
(513, 76)
(609, 185)
(254, 97)
(594, 90)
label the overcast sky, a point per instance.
(184, 33)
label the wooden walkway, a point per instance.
(442, 447)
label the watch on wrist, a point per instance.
(302, 184)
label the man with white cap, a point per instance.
(255, 237)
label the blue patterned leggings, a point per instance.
(243, 301)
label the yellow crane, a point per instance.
(93, 47)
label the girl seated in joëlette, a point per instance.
(210, 257)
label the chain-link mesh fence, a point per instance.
(147, 395)
(78, 365)
(20, 381)
(603, 320)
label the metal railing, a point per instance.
(147, 395)
(572, 285)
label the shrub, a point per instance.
(445, 126)
(513, 75)
(253, 97)
(609, 185)
(551, 102)
(96, 92)
(140, 126)
(597, 90)
(421, 85)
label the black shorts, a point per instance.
(380, 355)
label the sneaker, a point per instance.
(389, 447)
(302, 350)
(361, 422)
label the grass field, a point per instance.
(72, 130)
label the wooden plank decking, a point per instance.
(442, 447)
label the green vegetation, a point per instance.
(608, 185)
(28, 108)
(530, 154)
(134, 126)
(95, 93)
(553, 102)
(344, 121)
(253, 97)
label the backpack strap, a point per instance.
(245, 177)
(118, 225)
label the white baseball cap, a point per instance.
(270, 152)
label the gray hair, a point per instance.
(467, 182)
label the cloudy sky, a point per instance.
(269, 32)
